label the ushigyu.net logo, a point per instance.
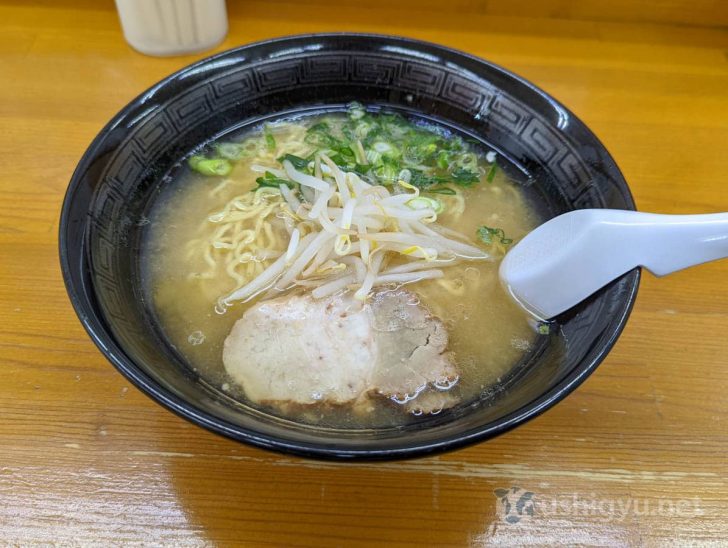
(516, 504)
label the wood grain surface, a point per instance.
(637, 455)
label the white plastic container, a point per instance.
(172, 27)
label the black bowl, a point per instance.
(118, 176)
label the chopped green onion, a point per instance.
(297, 162)
(321, 127)
(215, 167)
(421, 180)
(373, 157)
(356, 111)
(387, 150)
(270, 141)
(386, 172)
(464, 177)
(441, 190)
(423, 202)
(362, 129)
(543, 329)
(491, 173)
(443, 159)
(468, 161)
(405, 175)
(194, 160)
(270, 180)
(362, 169)
(319, 139)
(487, 234)
(343, 155)
(393, 145)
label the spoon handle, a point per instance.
(667, 243)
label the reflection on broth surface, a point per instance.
(358, 253)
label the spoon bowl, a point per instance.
(567, 259)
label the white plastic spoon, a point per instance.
(563, 261)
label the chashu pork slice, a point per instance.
(302, 350)
(411, 345)
(336, 350)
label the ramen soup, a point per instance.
(340, 269)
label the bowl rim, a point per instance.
(106, 343)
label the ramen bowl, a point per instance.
(105, 213)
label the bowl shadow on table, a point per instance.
(252, 495)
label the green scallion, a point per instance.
(214, 167)
(296, 161)
(270, 141)
(491, 173)
(488, 234)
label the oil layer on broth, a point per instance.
(340, 213)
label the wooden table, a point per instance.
(636, 455)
